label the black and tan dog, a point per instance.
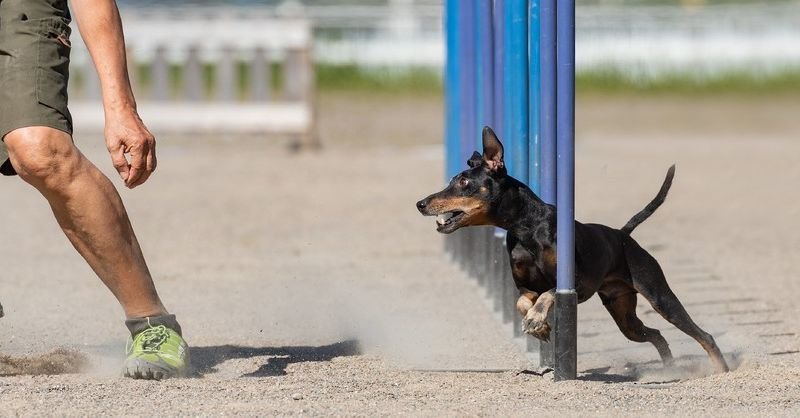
(607, 260)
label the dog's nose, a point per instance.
(421, 205)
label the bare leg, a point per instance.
(89, 211)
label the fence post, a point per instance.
(227, 75)
(297, 80)
(159, 76)
(193, 75)
(260, 76)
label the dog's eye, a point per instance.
(463, 182)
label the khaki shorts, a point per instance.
(34, 67)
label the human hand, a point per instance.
(131, 145)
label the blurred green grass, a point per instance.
(327, 78)
(351, 77)
(423, 81)
(600, 81)
(611, 81)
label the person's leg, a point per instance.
(90, 212)
(36, 127)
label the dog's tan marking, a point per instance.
(463, 204)
(520, 268)
(535, 321)
(526, 300)
(549, 258)
(476, 211)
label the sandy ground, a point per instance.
(308, 284)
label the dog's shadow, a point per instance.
(602, 374)
(654, 373)
(206, 359)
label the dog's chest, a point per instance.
(534, 269)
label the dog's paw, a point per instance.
(536, 325)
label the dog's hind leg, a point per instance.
(620, 301)
(648, 279)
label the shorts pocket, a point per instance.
(51, 91)
(54, 45)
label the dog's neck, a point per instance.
(523, 214)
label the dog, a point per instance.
(608, 261)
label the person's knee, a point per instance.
(43, 156)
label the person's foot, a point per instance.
(157, 353)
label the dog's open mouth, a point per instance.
(447, 220)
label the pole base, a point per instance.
(566, 336)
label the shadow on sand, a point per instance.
(206, 359)
(653, 372)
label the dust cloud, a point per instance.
(58, 361)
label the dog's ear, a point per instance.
(475, 160)
(492, 150)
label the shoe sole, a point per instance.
(140, 369)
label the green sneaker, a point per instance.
(156, 353)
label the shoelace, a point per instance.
(152, 338)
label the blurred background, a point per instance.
(378, 61)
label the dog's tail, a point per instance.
(652, 206)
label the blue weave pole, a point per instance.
(485, 69)
(566, 298)
(543, 111)
(452, 89)
(486, 258)
(498, 237)
(468, 62)
(498, 40)
(515, 87)
(534, 96)
(547, 109)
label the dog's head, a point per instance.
(467, 200)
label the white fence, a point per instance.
(210, 69)
(652, 41)
(210, 74)
(641, 40)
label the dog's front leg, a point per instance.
(526, 300)
(535, 321)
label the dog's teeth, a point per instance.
(443, 218)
